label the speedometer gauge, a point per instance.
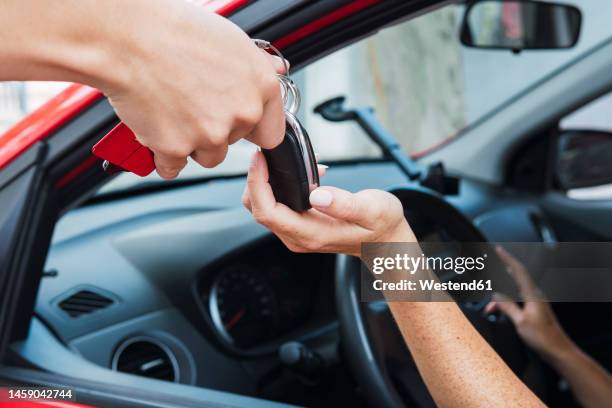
(243, 307)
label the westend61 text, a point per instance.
(432, 285)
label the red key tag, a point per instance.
(120, 148)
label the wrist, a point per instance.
(136, 38)
(117, 46)
(562, 351)
(401, 233)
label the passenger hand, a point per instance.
(535, 321)
(189, 83)
(338, 222)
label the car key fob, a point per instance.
(292, 167)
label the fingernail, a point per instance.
(321, 198)
(323, 166)
(254, 160)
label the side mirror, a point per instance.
(520, 25)
(584, 159)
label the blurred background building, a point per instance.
(17, 99)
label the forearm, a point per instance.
(456, 363)
(590, 383)
(69, 40)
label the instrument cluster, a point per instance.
(263, 294)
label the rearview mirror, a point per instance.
(584, 159)
(520, 25)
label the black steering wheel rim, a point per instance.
(367, 366)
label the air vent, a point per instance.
(146, 357)
(84, 302)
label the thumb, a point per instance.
(344, 205)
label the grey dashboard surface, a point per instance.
(44, 350)
(194, 355)
(148, 248)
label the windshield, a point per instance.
(425, 87)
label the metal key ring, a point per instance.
(290, 94)
(289, 91)
(267, 45)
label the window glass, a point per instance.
(425, 87)
(593, 116)
(411, 74)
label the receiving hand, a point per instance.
(535, 321)
(338, 222)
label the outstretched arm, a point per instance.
(186, 81)
(457, 364)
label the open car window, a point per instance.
(425, 87)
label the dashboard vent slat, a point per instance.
(147, 358)
(84, 302)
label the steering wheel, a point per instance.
(371, 341)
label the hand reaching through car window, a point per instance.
(537, 325)
(186, 81)
(458, 366)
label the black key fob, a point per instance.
(293, 167)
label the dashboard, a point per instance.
(182, 285)
(262, 295)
